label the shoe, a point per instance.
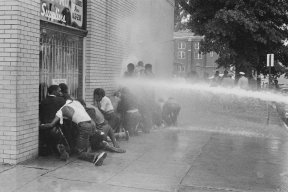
(127, 135)
(64, 156)
(98, 160)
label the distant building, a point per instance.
(187, 57)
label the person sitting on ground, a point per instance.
(171, 109)
(74, 111)
(129, 112)
(49, 139)
(99, 141)
(105, 105)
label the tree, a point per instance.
(241, 32)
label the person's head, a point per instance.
(140, 64)
(99, 93)
(225, 73)
(148, 67)
(216, 73)
(54, 90)
(63, 87)
(130, 67)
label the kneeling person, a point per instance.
(171, 111)
(103, 129)
(74, 111)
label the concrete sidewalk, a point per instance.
(153, 162)
(170, 159)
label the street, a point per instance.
(211, 150)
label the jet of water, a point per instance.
(173, 86)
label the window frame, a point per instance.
(181, 45)
(181, 55)
(197, 45)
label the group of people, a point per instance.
(138, 103)
(70, 126)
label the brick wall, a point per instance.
(105, 47)
(120, 32)
(19, 64)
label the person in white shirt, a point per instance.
(75, 111)
(243, 81)
(105, 105)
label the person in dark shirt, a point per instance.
(48, 139)
(130, 70)
(128, 109)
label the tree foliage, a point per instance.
(241, 32)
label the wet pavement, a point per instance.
(202, 154)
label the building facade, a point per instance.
(83, 43)
(187, 57)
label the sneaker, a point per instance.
(98, 160)
(127, 135)
(64, 156)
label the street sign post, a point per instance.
(270, 60)
(270, 63)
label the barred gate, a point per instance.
(61, 57)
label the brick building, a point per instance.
(187, 57)
(84, 43)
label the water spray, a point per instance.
(172, 85)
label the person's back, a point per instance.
(74, 111)
(51, 104)
(49, 107)
(48, 139)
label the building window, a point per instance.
(198, 55)
(196, 45)
(180, 68)
(181, 45)
(211, 54)
(181, 55)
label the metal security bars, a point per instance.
(61, 57)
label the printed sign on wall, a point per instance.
(67, 12)
(58, 81)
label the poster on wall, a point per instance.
(66, 12)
